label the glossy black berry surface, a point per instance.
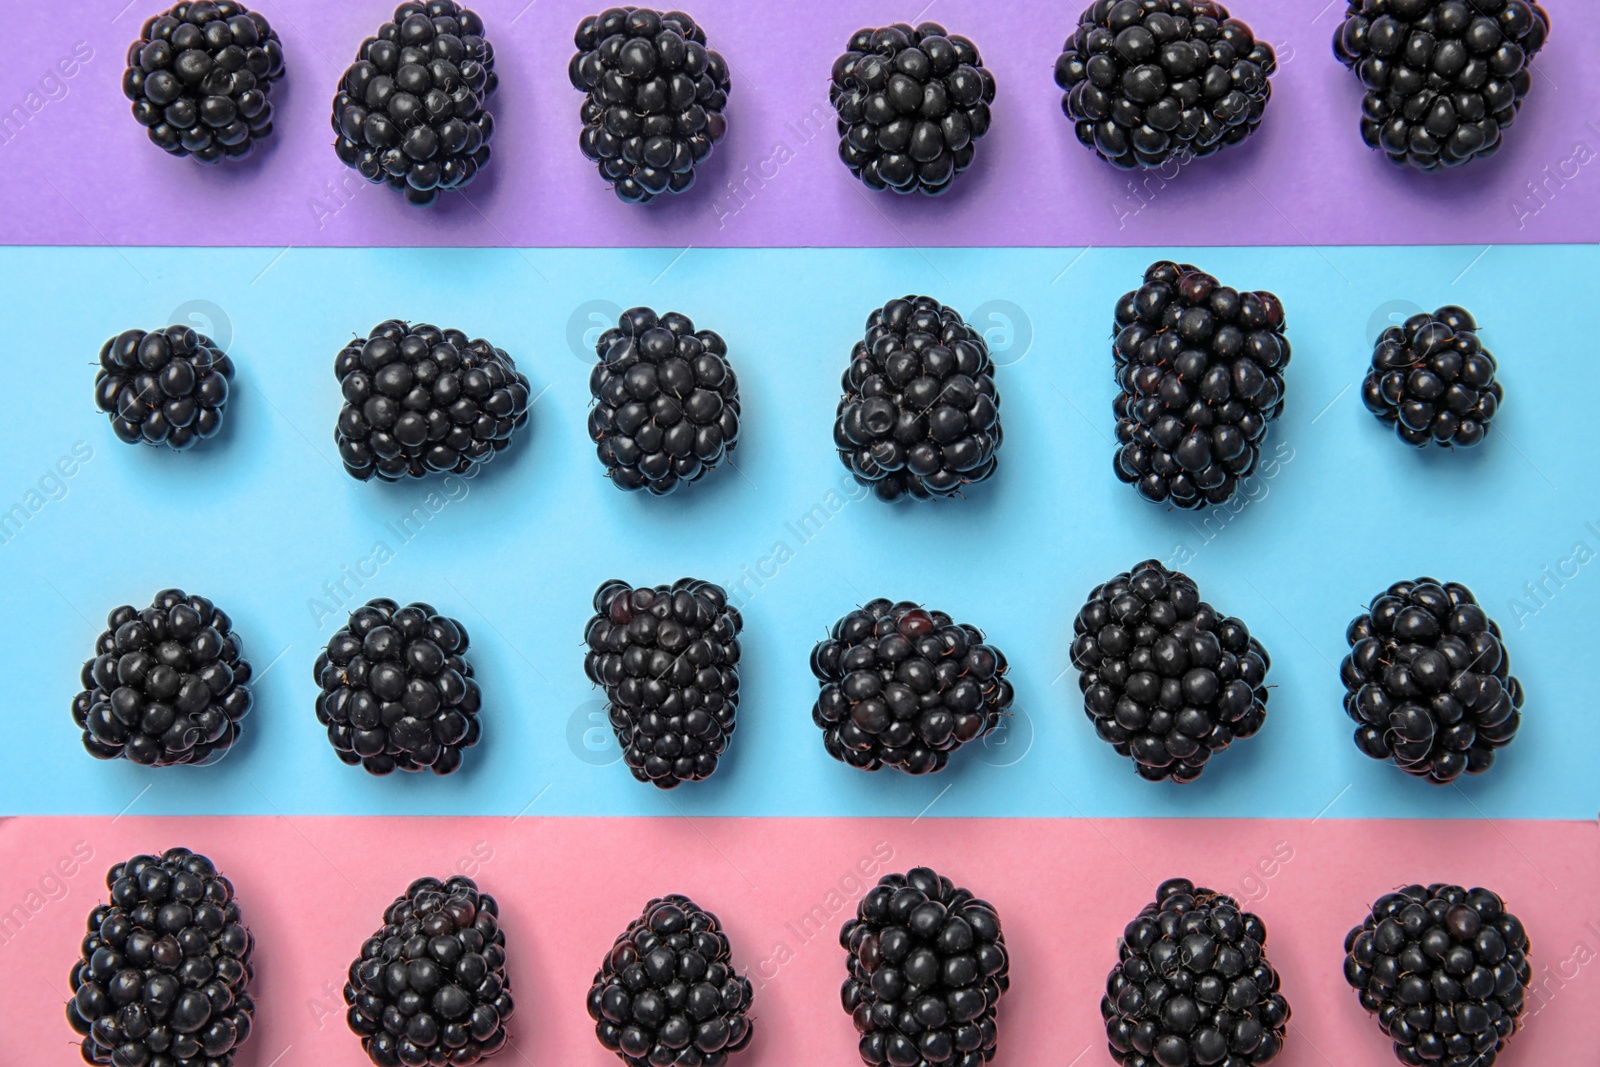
(1433, 381)
(163, 387)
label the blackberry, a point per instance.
(1193, 985)
(1200, 368)
(667, 994)
(1429, 682)
(668, 659)
(1167, 680)
(430, 985)
(1444, 969)
(412, 110)
(1443, 79)
(1163, 79)
(653, 99)
(397, 690)
(164, 974)
(928, 967)
(904, 687)
(1433, 380)
(420, 400)
(163, 387)
(912, 106)
(666, 401)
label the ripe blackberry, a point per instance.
(165, 970)
(1428, 681)
(668, 659)
(1444, 79)
(1433, 380)
(397, 690)
(430, 986)
(912, 105)
(1164, 79)
(420, 400)
(667, 994)
(1445, 970)
(1200, 367)
(165, 387)
(412, 110)
(653, 99)
(928, 966)
(666, 401)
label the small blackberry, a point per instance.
(165, 387)
(165, 970)
(667, 994)
(928, 966)
(666, 402)
(397, 690)
(1445, 970)
(1433, 380)
(430, 986)
(1428, 681)
(653, 99)
(912, 105)
(668, 659)
(420, 400)
(1200, 368)
(412, 110)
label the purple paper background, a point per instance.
(76, 169)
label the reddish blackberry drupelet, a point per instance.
(1433, 381)
(163, 387)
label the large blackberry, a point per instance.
(667, 994)
(397, 690)
(1433, 381)
(163, 387)
(1200, 368)
(420, 400)
(666, 401)
(1445, 970)
(927, 967)
(165, 969)
(430, 986)
(1444, 79)
(412, 110)
(912, 105)
(1429, 682)
(653, 99)
(668, 659)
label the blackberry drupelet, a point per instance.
(1443, 79)
(668, 659)
(667, 994)
(165, 969)
(430, 986)
(912, 106)
(1428, 681)
(397, 690)
(200, 77)
(412, 110)
(904, 687)
(163, 387)
(1445, 970)
(928, 967)
(666, 401)
(1161, 80)
(419, 400)
(1200, 368)
(1433, 381)
(653, 99)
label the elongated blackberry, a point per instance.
(1433, 381)
(163, 387)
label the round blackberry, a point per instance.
(1200, 370)
(912, 105)
(1163, 79)
(165, 970)
(1444, 969)
(397, 690)
(430, 986)
(666, 402)
(668, 659)
(927, 967)
(412, 110)
(1429, 682)
(419, 400)
(1443, 79)
(667, 994)
(653, 99)
(165, 387)
(1433, 380)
